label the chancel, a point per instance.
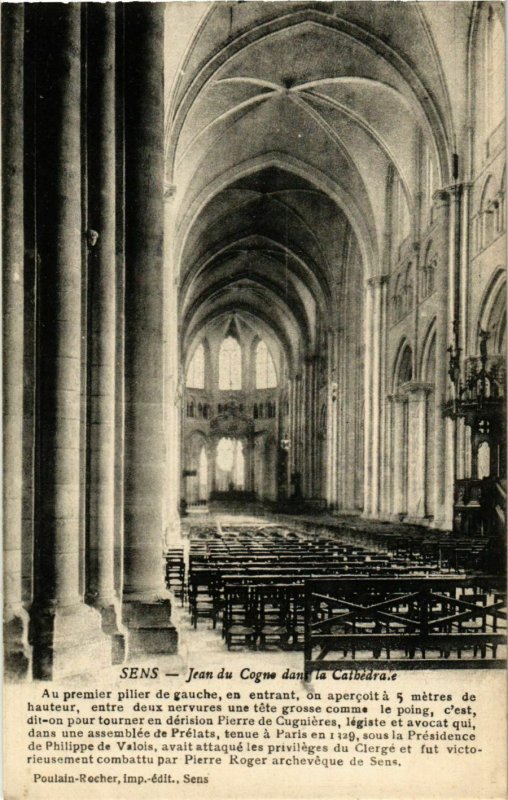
(253, 263)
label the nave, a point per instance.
(254, 256)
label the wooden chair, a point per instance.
(272, 615)
(239, 616)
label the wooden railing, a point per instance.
(404, 623)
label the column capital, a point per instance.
(453, 190)
(397, 398)
(416, 389)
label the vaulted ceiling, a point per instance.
(283, 123)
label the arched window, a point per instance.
(196, 371)
(266, 377)
(230, 364)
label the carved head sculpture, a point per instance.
(91, 237)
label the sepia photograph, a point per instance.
(254, 414)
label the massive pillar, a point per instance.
(102, 320)
(66, 634)
(17, 651)
(146, 604)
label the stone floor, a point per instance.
(200, 649)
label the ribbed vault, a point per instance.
(286, 126)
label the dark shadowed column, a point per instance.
(146, 605)
(101, 172)
(66, 633)
(17, 651)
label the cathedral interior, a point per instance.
(253, 262)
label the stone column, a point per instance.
(375, 352)
(383, 423)
(455, 234)
(248, 453)
(389, 467)
(66, 634)
(146, 603)
(378, 288)
(212, 464)
(334, 389)
(399, 501)
(102, 323)
(16, 648)
(417, 423)
(367, 480)
(172, 392)
(463, 434)
(297, 467)
(375, 409)
(330, 409)
(442, 519)
(340, 409)
(304, 428)
(309, 411)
